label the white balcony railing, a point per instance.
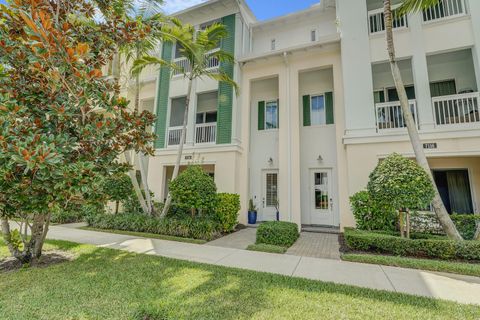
(456, 109)
(376, 22)
(174, 135)
(390, 116)
(206, 133)
(445, 9)
(183, 64)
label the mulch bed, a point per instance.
(49, 258)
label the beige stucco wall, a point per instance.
(459, 153)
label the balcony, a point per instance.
(457, 109)
(389, 116)
(174, 135)
(183, 64)
(445, 9)
(376, 23)
(206, 133)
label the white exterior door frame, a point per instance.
(322, 197)
(269, 194)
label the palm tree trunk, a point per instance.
(180, 147)
(437, 203)
(136, 187)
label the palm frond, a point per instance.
(221, 76)
(145, 61)
(412, 6)
(148, 8)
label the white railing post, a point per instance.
(445, 9)
(457, 109)
(206, 133)
(389, 115)
(376, 22)
(174, 135)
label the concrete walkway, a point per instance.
(316, 245)
(237, 240)
(458, 288)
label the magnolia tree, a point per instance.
(403, 185)
(63, 126)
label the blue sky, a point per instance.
(263, 9)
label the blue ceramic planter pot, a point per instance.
(252, 217)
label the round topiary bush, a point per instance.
(401, 184)
(370, 215)
(194, 190)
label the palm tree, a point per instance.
(199, 48)
(437, 203)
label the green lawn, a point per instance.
(267, 248)
(470, 269)
(109, 284)
(148, 235)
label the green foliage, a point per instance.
(226, 213)
(267, 248)
(400, 183)
(279, 233)
(187, 227)
(76, 213)
(193, 190)
(430, 248)
(63, 124)
(118, 187)
(370, 215)
(466, 224)
(251, 205)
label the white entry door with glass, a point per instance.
(321, 200)
(270, 195)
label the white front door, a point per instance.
(321, 200)
(270, 193)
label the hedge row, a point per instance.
(466, 224)
(430, 248)
(278, 233)
(186, 227)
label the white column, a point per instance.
(357, 70)
(283, 146)
(192, 111)
(420, 73)
(474, 7)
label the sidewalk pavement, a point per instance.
(463, 289)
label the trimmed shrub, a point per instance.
(400, 183)
(76, 213)
(226, 213)
(371, 216)
(466, 224)
(193, 190)
(278, 233)
(186, 227)
(430, 248)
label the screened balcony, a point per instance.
(206, 118)
(177, 112)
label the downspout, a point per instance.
(289, 140)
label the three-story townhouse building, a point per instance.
(317, 107)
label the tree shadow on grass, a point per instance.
(111, 284)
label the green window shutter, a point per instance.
(329, 107)
(261, 115)
(225, 91)
(278, 113)
(162, 97)
(443, 88)
(306, 111)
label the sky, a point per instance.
(263, 9)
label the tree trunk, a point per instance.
(116, 206)
(180, 147)
(477, 232)
(136, 187)
(401, 225)
(437, 203)
(143, 175)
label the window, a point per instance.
(178, 50)
(271, 115)
(271, 189)
(206, 117)
(317, 111)
(313, 35)
(454, 189)
(393, 95)
(148, 105)
(272, 44)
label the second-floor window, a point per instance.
(206, 117)
(317, 110)
(272, 44)
(271, 115)
(313, 35)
